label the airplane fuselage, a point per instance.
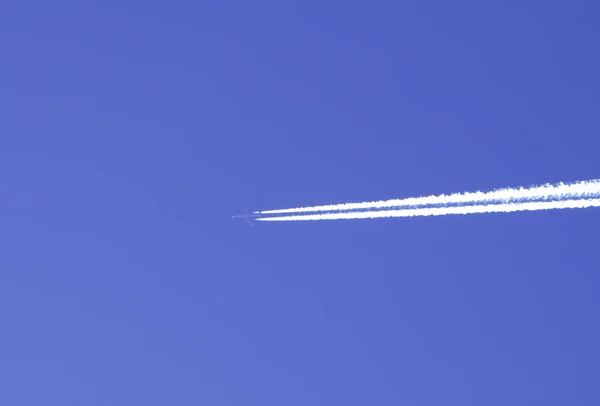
(246, 216)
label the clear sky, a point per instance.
(131, 131)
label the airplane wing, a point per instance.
(247, 218)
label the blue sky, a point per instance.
(131, 131)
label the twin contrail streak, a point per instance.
(443, 211)
(560, 191)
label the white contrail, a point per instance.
(582, 189)
(443, 211)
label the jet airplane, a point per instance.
(246, 216)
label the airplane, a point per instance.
(246, 216)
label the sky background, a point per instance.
(131, 131)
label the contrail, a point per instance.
(582, 189)
(443, 211)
